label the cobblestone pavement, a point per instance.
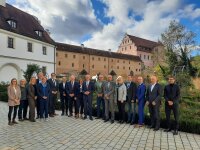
(62, 132)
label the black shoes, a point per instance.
(97, 118)
(91, 118)
(106, 120)
(62, 114)
(112, 121)
(10, 123)
(167, 130)
(156, 129)
(175, 132)
(84, 118)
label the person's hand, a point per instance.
(44, 97)
(122, 102)
(52, 92)
(136, 100)
(153, 103)
(132, 101)
(35, 97)
(64, 94)
(75, 98)
(170, 103)
(147, 103)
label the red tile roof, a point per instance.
(143, 44)
(26, 23)
(90, 51)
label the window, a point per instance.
(83, 57)
(151, 57)
(56, 54)
(129, 68)
(72, 64)
(12, 23)
(144, 56)
(124, 67)
(104, 59)
(117, 61)
(59, 63)
(148, 57)
(92, 58)
(30, 47)
(117, 67)
(136, 70)
(129, 62)
(10, 42)
(39, 33)
(74, 56)
(66, 55)
(139, 69)
(83, 65)
(44, 50)
(99, 58)
(104, 66)
(44, 69)
(124, 62)
(111, 60)
(92, 66)
(139, 63)
(130, 47)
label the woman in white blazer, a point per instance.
(120, 97)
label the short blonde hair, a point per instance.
(120, 79)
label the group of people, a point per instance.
(76, 98)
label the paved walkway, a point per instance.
(62, 133)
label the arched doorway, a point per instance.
(9, 71)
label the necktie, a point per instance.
(108, 84)
(72, 84)
(87, 83)
(63, 85)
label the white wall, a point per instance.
(14, 61)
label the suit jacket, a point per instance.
(131, 91)
(53, 87)
(155, 94)
(122, 93)
(141, 89)
(42, 92)
(62, 89)
(72, 90)
(109, 90)
(172, 94)
(12, 95)
(31, 92)
(90, 88)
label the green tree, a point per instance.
(31, 68)
(179, 42)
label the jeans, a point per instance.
(10, 112)
(131, 112)
(100, 101)
(22, 111)
(43, 108)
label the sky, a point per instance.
(102, 24)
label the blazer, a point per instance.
(90, 88)
(12, 95)
(53, 87)
(62, 89)
(42, 93)
(31, 92)
(172, 94)
(75, 90)
(155, 94)
(141, 90)
(131, 91)
(122, 92)
(110, 91)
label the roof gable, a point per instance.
(26, 23)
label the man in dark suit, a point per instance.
(88, 89)
(63, 96)
(72, 90)
(40, 75)
(53, 95)
(153, 100)
(172, 96)
(131, 99)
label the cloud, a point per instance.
(65, 19)
(156, 16)
(190, 12)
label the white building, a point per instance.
(23, 41)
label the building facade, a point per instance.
(150, 52)
(76, 59)
(23, 41)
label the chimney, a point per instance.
(109, 50)
(3, 3)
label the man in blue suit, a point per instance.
(140, 95)
(88, 89)
(72, 90)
